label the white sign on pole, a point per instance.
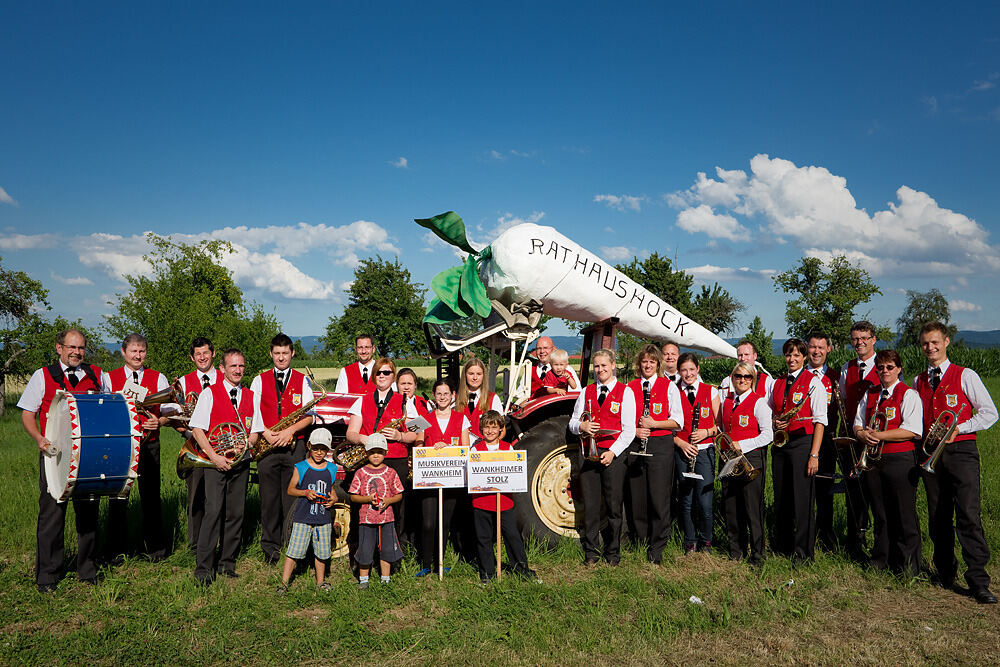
(439, 468)
(498, 472)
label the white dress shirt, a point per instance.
(202, 415)
(982, 402)
(628, 418)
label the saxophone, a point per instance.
(351, 455)
(781, 437)
(263, 447)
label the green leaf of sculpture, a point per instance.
(447, 286)
(449, 227)
(439, 313)
(473, 290)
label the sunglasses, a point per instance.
(741, 376)
(383, 372)
(886, 367)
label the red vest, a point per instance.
(949, 396)
(271, 409)
(855, 387)
(608, 415)
(659, 402)
(150, 380)
(488, 501)
(420, 403)
(394, 410)
(222, 408)
(192, 382)
(452, 434)
(893, 409)
(84, 386)
(354, 383)
(740, 423)
(474, 413)
(761, 388)
(801, 423)
(706, 419)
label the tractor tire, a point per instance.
(549, 510)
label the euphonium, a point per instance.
(938, 436)
(263, 447)
(871, 454)
(737, 464)
(781, 437)
(229, 440)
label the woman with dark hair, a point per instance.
(888, 422)
(414, 404)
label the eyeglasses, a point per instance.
(861, 339)
(383, 372)
(886, 367)
(741, 376)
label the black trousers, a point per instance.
(650, 486)
(953, 491)
(148, 484)
(824, 493)
(601, 487)
(274, 472)
(225, 497)
(195, 505)
(794, 493)
(486, 533)
(50, 534)
(856, 499)
(892, 488)
(429, 534)
(404, 508)
(743, 505)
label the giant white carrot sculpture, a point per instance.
(534, 262)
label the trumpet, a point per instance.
(263, 447)
(871, 454)
(187, 403)
(737, 464)
(781, 436)
(588, 443)
(938, 435)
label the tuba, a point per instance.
(263, 447)
(736, 462)
(938, 436)
(871, 454)
(781, 437)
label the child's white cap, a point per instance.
(376, 441)
(321, 437)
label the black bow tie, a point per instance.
(135, 376)
(205, 381)
(232, 398)
(604, 395)
(472, 399)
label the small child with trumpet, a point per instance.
(312, 522)
(376, 487)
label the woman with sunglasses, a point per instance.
(449, 428)
(746, 419)
(892, 481)
(473, 397)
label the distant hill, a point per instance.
(980, 338)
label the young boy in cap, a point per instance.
(312, 482)
(376, 487)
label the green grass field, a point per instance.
(831, 612)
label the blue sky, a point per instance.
(734, 137)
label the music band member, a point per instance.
(449, 428)
(746, 419)
(202, 354)
(650, 478)
(794, 465)
(892, 481)
(953, 488)
(699, 446)
(415, 405)
(71, 374)
(611, 408)
(671, 353)
(543, 349)
(474, 398)
(359, 377)
(746, 352)
(819, 349)
(226, 484)
(277, 393)
(134, 350)
(856, 377)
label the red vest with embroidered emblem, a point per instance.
(452, 434)
(271, 410)
(893, 409)
(740, 422)
(474, 413)
(608, 415)
(394, 410)
(222, 408)
(801, 423)
(855, 387)
(706, 419)
(949, 396)
(355, 385)
(150, 381)
(84, 386)
(659, 403)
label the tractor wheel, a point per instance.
(553, 463)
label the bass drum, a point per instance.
(95, 445)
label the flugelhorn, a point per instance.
(938, 436)
(263, 447)
(781, 436)
(737, 464)
(871, 454)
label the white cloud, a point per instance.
(621, 202)
(7, 199)
(985, 84)
(932, 104)
(610, 230)
(400, 163)
(273, 273)
(958, 306)
(26, 241)
(496, 155)
(813, 209)
(80, 280)
(703, 219)
(708, 272)
(620, 253)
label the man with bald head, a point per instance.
(543, 349)
(670, 355)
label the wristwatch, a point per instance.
(814, 456)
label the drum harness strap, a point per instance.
(56, 371)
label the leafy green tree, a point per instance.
(384, 303)
(715, 309)
(922, 307)
(300, 352)
(189, 294)
(828, 295)
(763, 340)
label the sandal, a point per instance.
(281, 589)
(325, 586)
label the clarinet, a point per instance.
(696, 417)
(645, 413)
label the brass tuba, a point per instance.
(871, 454)
(781, 436)
(263, 447)
(229, 440)
(938, 436)
(736, 462)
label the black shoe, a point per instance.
(156, 556)
(270, 559)
(204, 582)
(590, 562)
(655, 560)
(46, 588)
(984, 596)
(613, 562)
(90, 581)
(231, 574)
